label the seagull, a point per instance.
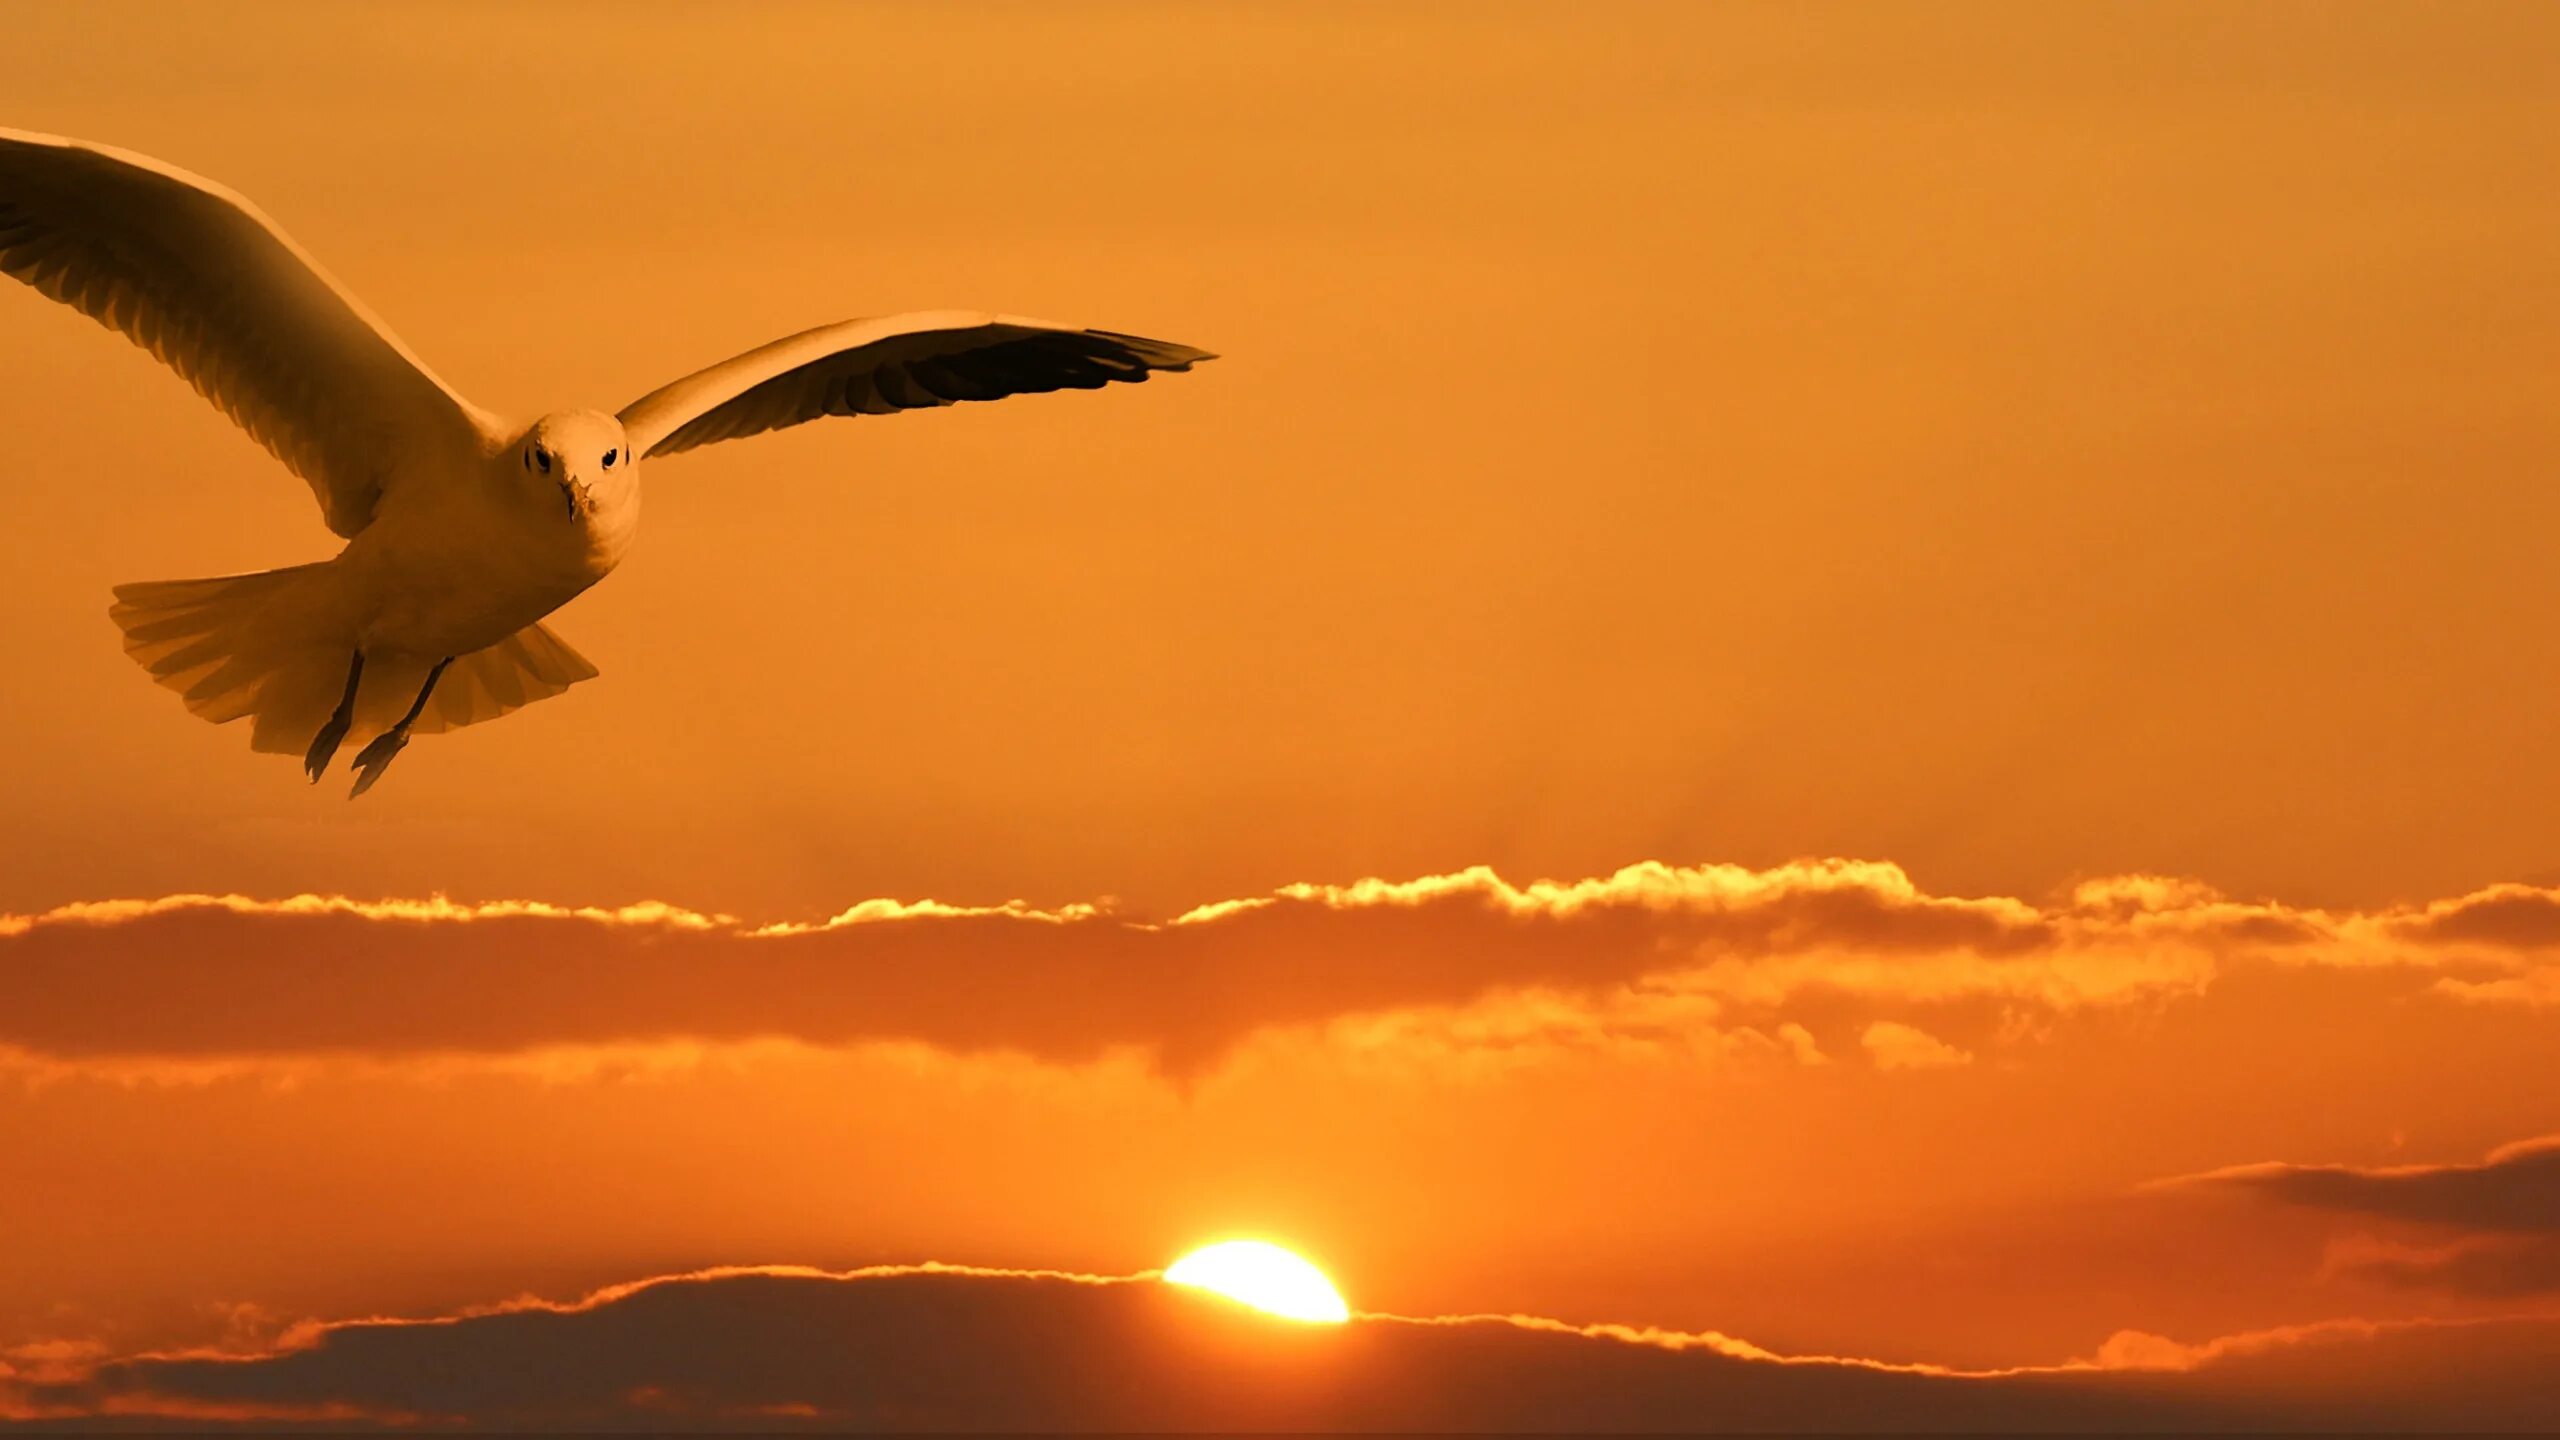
(463, 529)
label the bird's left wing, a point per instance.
(194, 274)
(884, 365)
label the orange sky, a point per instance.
(2011, 445)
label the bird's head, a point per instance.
(580, 460)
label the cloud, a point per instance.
(2487, 1267)
(2515, 1189)
(2538, 989)
(2520, 922)
(941, 1347)
(2508, 917)
(1896, 1046)
(1689, 960)
(2495, 1223)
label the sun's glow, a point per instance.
(1263, 1276)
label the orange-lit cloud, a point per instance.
(1897, 1046)
(934, 1347)
(1788, 1090)
(2481, 1267)
(2515, 1188)
(2502, 1217)
(1714, 955)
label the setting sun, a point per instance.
(1263, 1276)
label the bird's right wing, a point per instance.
(197, 276)
(887, 364)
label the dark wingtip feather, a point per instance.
(1158, 354)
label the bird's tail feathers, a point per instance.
(231, 647)
(532, 664)
(263, 646)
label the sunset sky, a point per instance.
(1864, 689)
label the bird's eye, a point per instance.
(608, 458)
(542, 458)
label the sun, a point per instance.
(1263, 1276)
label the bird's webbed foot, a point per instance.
(375, 758)
(324, 747)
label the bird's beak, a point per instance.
(574, 492)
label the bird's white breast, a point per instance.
(449, 568)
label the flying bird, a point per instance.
(463, 529)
